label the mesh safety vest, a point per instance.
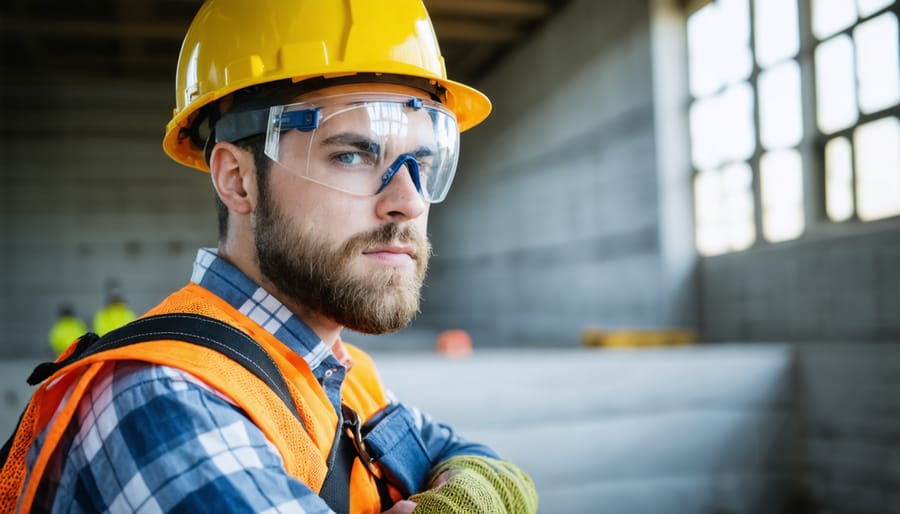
(303, 444)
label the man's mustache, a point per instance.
(392, 233)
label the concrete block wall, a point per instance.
(553, 223)
(776, 428)
(836, 288)
(87, 196)
(695, 430)
(851, 422)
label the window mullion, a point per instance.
(812, 145)
(757, 134)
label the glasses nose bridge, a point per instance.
(411, 164)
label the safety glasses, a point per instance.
(358, 143)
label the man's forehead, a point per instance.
(378, 118)
(363, 87)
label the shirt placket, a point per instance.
(330, 374)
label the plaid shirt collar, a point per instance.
(227, 282)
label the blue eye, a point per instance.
(425, 158)
(349, 158)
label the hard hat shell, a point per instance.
(234, 44)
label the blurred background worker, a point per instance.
(115, 313)
(67, 328)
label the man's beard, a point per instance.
(312, 274)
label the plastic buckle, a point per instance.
(415, 103)
(303, 120)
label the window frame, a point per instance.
(811, 147)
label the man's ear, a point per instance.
(234, 177)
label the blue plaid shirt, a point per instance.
(155, 439)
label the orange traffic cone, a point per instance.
(454, 343)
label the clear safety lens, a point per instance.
(364, 143)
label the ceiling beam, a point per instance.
(93, 29)
(473, 32)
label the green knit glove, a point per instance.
(478, 485)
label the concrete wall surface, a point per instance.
(88, 196)
(834, 287)
(554, 220)
(709, 429)
(656, 431)
(851, 425)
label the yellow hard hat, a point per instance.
(234, 44)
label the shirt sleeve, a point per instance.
(408, 445)
(438, 440)
(156, 439)
(441, 441)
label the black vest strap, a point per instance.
(191, 328)
(347, 447)
(337, 480)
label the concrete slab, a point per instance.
(681, 430)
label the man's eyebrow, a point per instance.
(358, 141)
(423, 151)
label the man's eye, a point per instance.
(350, 158)
(425, 164)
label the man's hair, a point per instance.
(250, 98)
(256, 146)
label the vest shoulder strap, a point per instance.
(191, 328)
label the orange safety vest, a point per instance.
(304, 449)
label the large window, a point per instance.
(793, 117)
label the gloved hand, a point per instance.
(478, 485)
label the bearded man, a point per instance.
(328, 129)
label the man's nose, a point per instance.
(400, 195)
